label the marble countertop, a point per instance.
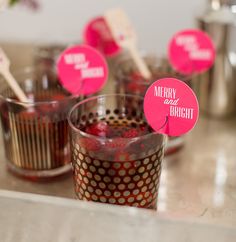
(40, 218)
(197, 183)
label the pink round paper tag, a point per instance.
(82, 69)
(191, 51)
(171, 107)
(98, 35)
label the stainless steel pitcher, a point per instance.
(216, 89)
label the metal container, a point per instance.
(216, 88)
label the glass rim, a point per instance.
(86, 135)
(31, 69)
(120, 75)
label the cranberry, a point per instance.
(136, 76)
(131, 133)
(116, 143)
(100, 129)
(29, 114)
(90, 144)
(58, 97)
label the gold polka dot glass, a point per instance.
(118, 169)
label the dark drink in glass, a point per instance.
(35, 134)
(116, 156)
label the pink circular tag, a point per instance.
(82, 69)
(98, 35)
(191, 51)
(171, 107)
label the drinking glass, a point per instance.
(35, 134)
(116, 155)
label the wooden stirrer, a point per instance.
(5, 71)
(125, 36)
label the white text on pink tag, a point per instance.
(170, 99)
(78, 60)
(190, 44)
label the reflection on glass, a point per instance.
(220, 179)
(162, 192)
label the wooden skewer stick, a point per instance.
(5, 71)
(125, 36)
(140, 63)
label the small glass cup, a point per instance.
(45, 56)
(35, 134)
(130, 81)
(121, 169)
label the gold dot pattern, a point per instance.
(133, 183)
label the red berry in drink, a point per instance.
(90, 144)
(58, 97)
(116, 143)
(29, 114)
(100, 129)
(136, 76)
(131, 133)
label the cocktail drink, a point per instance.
(116, 155)
(35, 134)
